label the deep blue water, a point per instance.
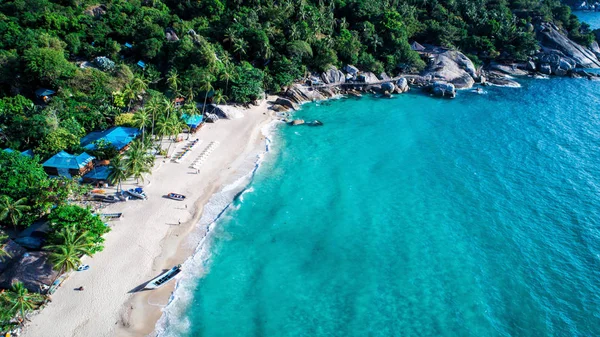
(416, 216)
(591, 18)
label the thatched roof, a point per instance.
(14, 253)
(33, 269)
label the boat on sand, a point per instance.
(175, 196)
(137, 193)
(163, 278)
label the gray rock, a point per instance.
(369, 77)
(511, 69)
(300, 94)
(333, 75)
(387, 86)
(443, 89)
(530, 65)
(279, 108)
(551, 38)
(286, 103)
(352, 70)
(560, 71)
(545, 69)
(452, 66)
(384, 77)
(503, 82)
(402, 85)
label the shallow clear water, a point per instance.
(416, 216)
(592, 18)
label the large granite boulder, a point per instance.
(509, 69)
(388, 86)
(333, 75)
(551, 38)
(286, 103)
(352, 70)
(545, 68)
(384, 77)
(453, 67)
(300, 94)
(443, 89)
(402, 85)
(369, 77)
(530, 65)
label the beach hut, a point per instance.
(193, 121)
(141, 64)
(67, 165)
(44, 94)
(26, 153)
(179, 101)
(118, 136)
(33, 269)
(98, 174)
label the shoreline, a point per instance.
(154, 235)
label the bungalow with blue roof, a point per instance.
(118, 136)
(67, 165)
(193, 121)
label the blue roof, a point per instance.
(27, 153)
(65, 160)
(141, 64)
(44, 92)
(117, 136)
(98, 173)
(192, 121)
(128, 45)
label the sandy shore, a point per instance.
(152, 236)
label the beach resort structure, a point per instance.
(27, 153)
(118, 136)
(67, 165)
(193, 121)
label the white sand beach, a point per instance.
(152, 237)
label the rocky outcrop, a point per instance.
(402, 85)
(352, 70)
(388, 86)
(453, 67)
(300, 94)
(555, 62)
(286, 103)
(384, 77)
(509, 69)
(369, 77)
(530, 65)
(552, 39)
(333, 75)
(443, 89)
(297, 122)
(545, 69)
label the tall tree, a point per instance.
(141, 119)
(13, 210)
(66, 254)
(118, 172)
(20, 301)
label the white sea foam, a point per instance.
(173, 321)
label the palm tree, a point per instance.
(130, 94)
(118, 172)
(219, 98)
(19, 301)
(138, 160)
(173, 82)
(72, 245)
(3, 239)
(226, 74)
(141, 119)
(12, 209)
(240, 47)
(154, 106)
(168, 106)
(206, 86)
(139, 84)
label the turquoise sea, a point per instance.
(414, 216)
(591, 18)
